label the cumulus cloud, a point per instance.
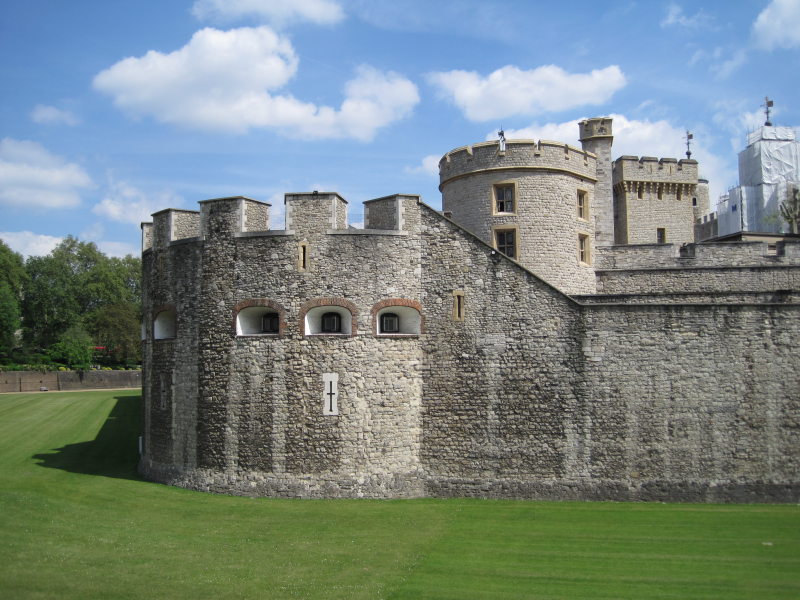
(428, 166)
(126, 203)
(225, 81)
(641, 138)
(778, 25)
(28, 243)
(50, 115)
(31, 176)
(512, 91)
(321, 12)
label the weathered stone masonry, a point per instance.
(679, 380)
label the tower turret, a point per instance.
(596, 137)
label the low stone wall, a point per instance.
(34, 381)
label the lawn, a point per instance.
(76, 522)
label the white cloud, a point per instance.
(222, 81)
(50, 115)
(641, 138)
(118, 249)
(93, 231)
(322, 12)
(676, 17)
(724, 69)
(734, 118)
(512, 91)
(428, 166)
(31, 176)
(128, 204)
(778, 25)
(28, 243)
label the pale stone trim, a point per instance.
(459, 307)
(520, 168)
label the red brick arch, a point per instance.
(333, 301)
(265, 302)
(396, 302)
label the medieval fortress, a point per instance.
(554, 332)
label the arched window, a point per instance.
(389, 323)
(397, 317)
(328, 316)
(331, 322)
(258, 316)
(165, 325)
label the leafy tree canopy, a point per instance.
(72, 282)
(74, 348)
(12, 269)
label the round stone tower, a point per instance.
(530, 200)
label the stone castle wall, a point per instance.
(255, 400)
(751, 267)
(527, 394)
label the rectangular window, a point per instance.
(678, 193)
(661, 235)
(270, 323)
(504, 198)
(583, 205)
(458, 305)
(583, 248)
(505, 241)
(640, 191)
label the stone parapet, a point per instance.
(519, 155)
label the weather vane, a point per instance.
(689, 138)
(767, 105)
(502, 135)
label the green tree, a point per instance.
(12, 280)
(9, 319)
(70, 284)
(116, 327)
(790, 209)
(73, 348)
(12, 269)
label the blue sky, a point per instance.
(113, 110)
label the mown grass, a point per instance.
(76, 522)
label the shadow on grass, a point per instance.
(113, 453)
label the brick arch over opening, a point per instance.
(396, 302)
(265, 302)
(317, 302)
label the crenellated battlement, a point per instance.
(518, 155)
(651, 168)
(306, 214)
(596, 128)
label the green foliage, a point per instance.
(73, 281)
(12, 269)
(74, 348)
(790, 209)
(12, 279)
(9, 319)
(78, 523)
(117, 328)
